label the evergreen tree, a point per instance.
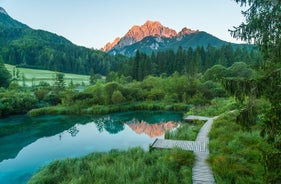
(263, 28)
(5, 76)
(92, 79)
(59, 82)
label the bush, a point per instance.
(12, 102)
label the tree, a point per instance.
(59, 81)
(240, 69)
(216, 73)
(117, 97)
(263, 28)
(5, 76)
(92, 79)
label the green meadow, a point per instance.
(34, 76)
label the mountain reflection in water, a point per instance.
(152, 130)
(31, 142)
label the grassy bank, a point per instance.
(236, 155)
(105, 109)
(131, 166)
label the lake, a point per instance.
(35, 142)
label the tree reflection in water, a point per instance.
(73, 131)
(111, 125)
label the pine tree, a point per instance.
(5, 76)
(262, 27)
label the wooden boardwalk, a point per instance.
(185, 145)
(201, 172)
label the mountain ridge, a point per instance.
(3, 11)
(149, 28)
(152, 36)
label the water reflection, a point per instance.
(28, 130)
(152, 130)
(109, 123)
(73, 131)
(41, 140)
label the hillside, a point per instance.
(23, 46)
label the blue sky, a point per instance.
(93, 23)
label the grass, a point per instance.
(105, 109)
(218, 106)
(235, 155)
(35, 76)
(186, 131)
(131, 166)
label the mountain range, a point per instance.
(23, 46)
(153, 36)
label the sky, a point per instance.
(93, 23)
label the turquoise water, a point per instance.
(34, 142)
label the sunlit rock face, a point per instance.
(149, 28)
(152, 130)
(109, 45)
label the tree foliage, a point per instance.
(189, 61)
(5, 76)
(263, 28)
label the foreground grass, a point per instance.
(131, 166)
(235, 155)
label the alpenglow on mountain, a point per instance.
(153, 36)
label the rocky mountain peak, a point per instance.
(186, 31)
(2, 10)
(149, 28)
(109, 45)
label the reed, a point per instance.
(132, 166)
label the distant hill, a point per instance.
(23, 46)
(153, 36)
